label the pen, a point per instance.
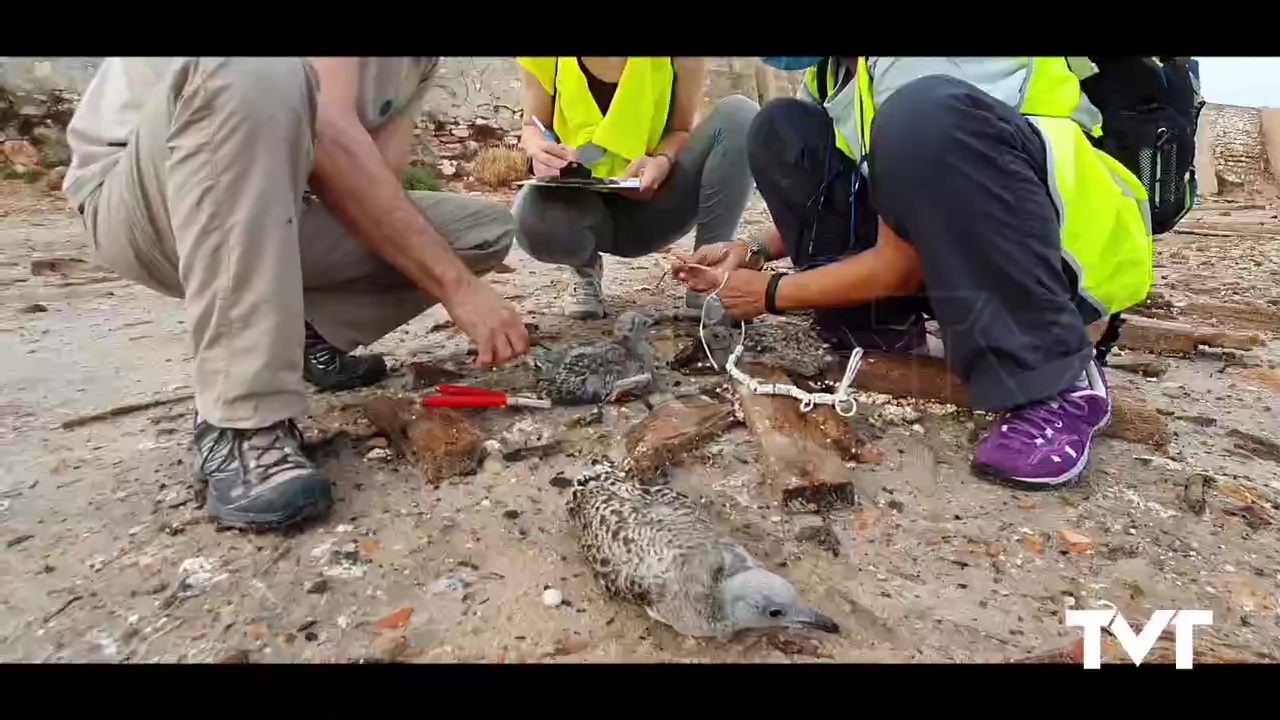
(545, 132)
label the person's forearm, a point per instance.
(529, 136)
(352, 179)
(855, 280)
(671, 143)
(395, 143)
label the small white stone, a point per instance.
(552, 597)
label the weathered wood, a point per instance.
(798, 454)
(927, 378)
(1162, 336)
(1145, 365)
(439, 441)
(120, 410)
(670, 431)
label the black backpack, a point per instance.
(1150, 111)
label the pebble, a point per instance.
(449, 583)
(552, 597)
(316, 587)
(378, 454)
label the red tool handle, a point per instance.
(479, 400)
(468, 390)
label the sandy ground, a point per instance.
(106, 556)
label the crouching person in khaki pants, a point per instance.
(192, 176)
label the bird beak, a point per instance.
(811, 618)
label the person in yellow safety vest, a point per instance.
(627, 117)
(965, 189)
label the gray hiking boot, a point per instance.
(259, 479)
(586, 300)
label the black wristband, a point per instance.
(770, 294)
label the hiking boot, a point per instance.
(329, 368)
(830, 326)
(586, 300)
(260, 478)
(1046, 444)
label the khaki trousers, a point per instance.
(207, 204)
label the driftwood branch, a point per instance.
(119, 410)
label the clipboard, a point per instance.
(589, 183)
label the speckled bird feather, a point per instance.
(587, 374)
(655, 547)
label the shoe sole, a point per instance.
(993, 474)
(317, 505)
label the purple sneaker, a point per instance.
(1046, 444)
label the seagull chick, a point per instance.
(597, 372)
(655, 547)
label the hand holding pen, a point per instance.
(548, 156)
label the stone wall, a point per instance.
(1240, 158)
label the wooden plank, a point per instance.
(800, 453)
(927, 378)
(1163, 336)
(671, 431)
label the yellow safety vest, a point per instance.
(637, 114)
(1103, 211)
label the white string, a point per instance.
(841, 399)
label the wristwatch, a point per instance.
(757, 253)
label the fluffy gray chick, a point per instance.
(655, 547)
(596, 372)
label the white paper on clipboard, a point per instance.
(597, 184)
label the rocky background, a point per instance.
(476, 106)
(468, 134)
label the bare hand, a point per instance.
(723, 257)
(548, 157)
(652, 173)
(743, 293)
(490, 320)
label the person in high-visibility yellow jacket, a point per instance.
(627, 117)
(965, 189)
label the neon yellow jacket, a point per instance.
(637, 115)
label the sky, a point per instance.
(1251, 81)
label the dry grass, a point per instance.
(499, 167)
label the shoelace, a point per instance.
(271, 452)
(1036, 423)
(585, 289)
(327, 358)
(262, 445)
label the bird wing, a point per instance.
(588, 372)
(636, 539)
